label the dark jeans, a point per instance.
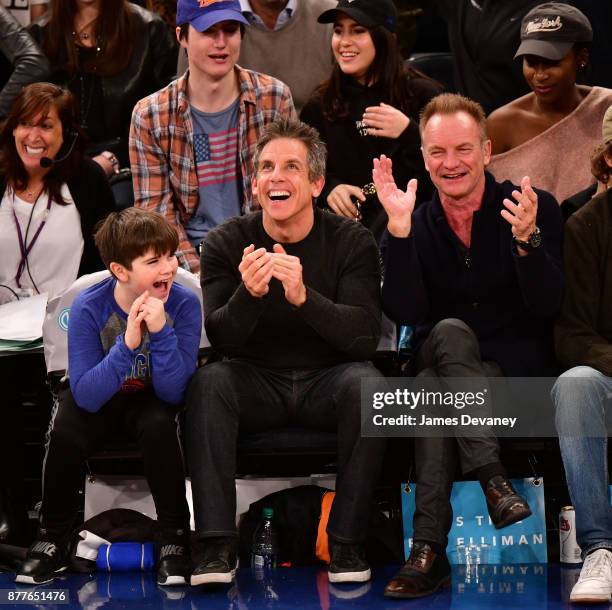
(234, 396)
(450, 350)
(75, 434)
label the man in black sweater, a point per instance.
(292, 300)
(478, 271)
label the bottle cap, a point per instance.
(268, 513)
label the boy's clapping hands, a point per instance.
(145, 310)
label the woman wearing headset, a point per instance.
(50, 199)
(51, 196)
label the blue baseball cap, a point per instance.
(203, 14)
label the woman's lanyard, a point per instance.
(24, 247)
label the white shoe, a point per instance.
(595, 582)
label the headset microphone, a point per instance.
(47, 162)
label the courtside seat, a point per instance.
(288, 440)
(438, 66)
(278, 453)
(287, 452)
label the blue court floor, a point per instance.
(527, 587)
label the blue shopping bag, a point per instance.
(473, 538)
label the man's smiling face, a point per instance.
(455, 154)
(283, 186)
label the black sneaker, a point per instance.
(173, 562)
(218, 564)
(44, 560)
(347, 563)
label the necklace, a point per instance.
(31, 194)
(82, 35)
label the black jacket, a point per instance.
(151, 67)
(93, 199)
(583, 332)
(484, 37)
(21, 61)
(578, 200)
(510, 302)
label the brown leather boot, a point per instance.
(505, 505)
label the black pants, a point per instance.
(234, 396)
(450, 350)
(75, 434)
(14, 371)
(18, 373)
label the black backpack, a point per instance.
(297, 512)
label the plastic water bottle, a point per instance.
(265, 543)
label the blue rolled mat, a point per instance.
(126, 557)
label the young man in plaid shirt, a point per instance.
(191, 143)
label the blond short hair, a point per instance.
(452, 103)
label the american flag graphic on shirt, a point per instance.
(216, 157)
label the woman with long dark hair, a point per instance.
(368, 107)
(110, 54)
(51, 196)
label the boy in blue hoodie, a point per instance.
(132, 348)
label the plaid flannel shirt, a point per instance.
(162, 156)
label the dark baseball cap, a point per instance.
(368, 13)
(203, 14)
(550, 30)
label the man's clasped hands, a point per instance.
(259, 266)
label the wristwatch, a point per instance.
(368, 190)
(533, 241)
(112, 159)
